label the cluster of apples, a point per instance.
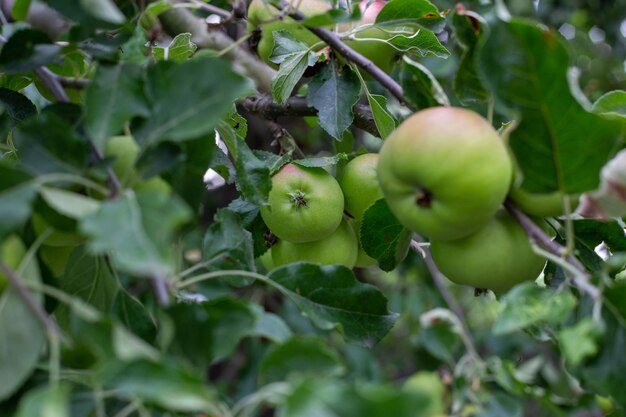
(445, 174)
(317, 218)
(366, 39)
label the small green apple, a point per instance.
(497, 257)
(359, 184)
(340, 248)
(154, 184)
(125, 151)
(305, 204)
(12, 251)
(266, 260)
(444, 172)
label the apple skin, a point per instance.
(305, 204)
(541, 204)
(266, 260)
(340, 248)
(444, 172)
(496, 257)
(12, 250)
(359, 184)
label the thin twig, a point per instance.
(454, 306)
(26, 296)
(265, 106)
(581, 276)
(75, 83)
(334, 41)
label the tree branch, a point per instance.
(177, 21)
(333, 40)
(581, 276)
(265, 106)
(28, 299)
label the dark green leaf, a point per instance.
(218, 326)
(418, 42)
(333, 93)
(16, 197)
(420, 85)
(419, 12)
(469, 28)
(115, 95)
(22, 337)
(501, 405)
(227, 244)
(301, 356)
(385, 123)
(90, 13)
(17, 106)
(594, 232)
(331, 297)
(253, 175)
(527, 305)
(321, 161)
(26, 50)
(20, 9)
(136, 230)
(49, 144)
(166, 384)
(382, 236)
(294, 58)
(558, 145)
(181, 110)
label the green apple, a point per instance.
(305, 204)
(124, 150)
(359, 184)
(497, 257)
(541, 204)
(266, 260)
(340, 248)
(444, 172)
(12, 250)
(154, 184)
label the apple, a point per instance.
(12, 250)
(444, 172)
(154, 184)
(305, 204)
(497, 257)
(541, 204)
(340, 248)
(266, 260)
(124, 150)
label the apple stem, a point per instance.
(299, 199)
(424, 197)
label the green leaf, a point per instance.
(307, 356)
(501, 404)
(115, 96)
(227, 244)
(180, 48)
(136, 231)
(89, 278)
(253, 175)
(270, 325)
(333, 93)
(73, 205)
(419, 42)
(17, 106)
(20, 9)
(579, 341)
(22, 337)
(419, 12)
(294, 58)
(17, 194)
(612, 104)
(90, 13)
(382, 236)
(104, 10)
(558, 145)
(218, 327)
(469, 28)
(26, 50)
(331, 298)
(50, 144)
(420, 86)
(165, 384)
(321, 161)
(385, 123)
(527, 304)
(45, 401)
(182, 110)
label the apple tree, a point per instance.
(312, 208)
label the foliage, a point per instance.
(146, 295)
